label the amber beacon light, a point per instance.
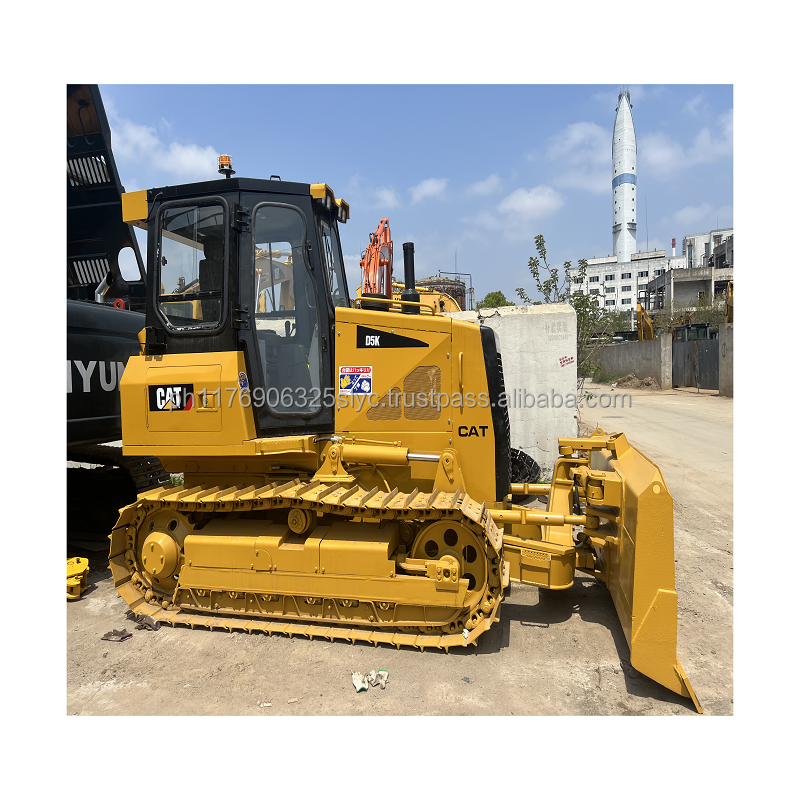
(225, 166)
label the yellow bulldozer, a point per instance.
(346, 470)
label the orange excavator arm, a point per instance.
(377, 262)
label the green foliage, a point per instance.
(494, 300)
(176, 479)
(711, 311)
(599, 376)
(594, 324)
(619, 321)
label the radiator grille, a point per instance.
(87, 171)
(422, 379)
(86, 270)
(389, 408)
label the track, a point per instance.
(145, 471)
(297, 614)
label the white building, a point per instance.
(699, 247)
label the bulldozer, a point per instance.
(346, 469)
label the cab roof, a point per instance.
(228, 185)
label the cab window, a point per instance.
(287, 327)
(190, 267)
(333, 264)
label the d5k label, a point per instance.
(172, 397)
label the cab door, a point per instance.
(285, 317)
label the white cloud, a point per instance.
(664, 157)
(486, 186)
(583, 148)
(703, 216)
(387, 197)
(532, 203)
(352, 269)
(430, 187)
(365, 194)
(140, 144)
(695, 106)
(580, 143)
(514, 214)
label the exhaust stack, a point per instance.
(409, 293)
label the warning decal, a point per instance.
(355, 380)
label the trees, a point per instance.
(494, 300)
(704, 310)
(594, 324)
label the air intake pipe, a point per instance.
(409, 293)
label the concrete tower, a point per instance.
(623, 153)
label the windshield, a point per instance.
(190, 265)
(333, 264)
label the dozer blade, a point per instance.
(638, 560)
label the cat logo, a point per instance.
(175, 397)
(463, 430)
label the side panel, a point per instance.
(401, 358)
(409, 355)
(226, 420)
(100, 341)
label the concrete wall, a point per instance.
(538, 345)
(726, 359)
(649, 359)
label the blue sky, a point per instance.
(478, 169)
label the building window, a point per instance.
(610, 290)
(609, 302)
(626, 275)
(644, 274)
(659, 272)
(593, 291)
(626, 301)
(626, 288)
(580, 291)
(594, 279)
(609, 277)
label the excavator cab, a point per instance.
(252, 266)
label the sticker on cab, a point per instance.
(243, 384)
(355, 380)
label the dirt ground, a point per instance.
(552, 653)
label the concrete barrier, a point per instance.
(726, 359)
(648, 359)
(538, 345)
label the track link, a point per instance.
(346, 502)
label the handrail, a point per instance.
(392, 302)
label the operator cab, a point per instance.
(250, 265)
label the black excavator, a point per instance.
(105, 312)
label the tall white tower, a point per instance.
(623, 184)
